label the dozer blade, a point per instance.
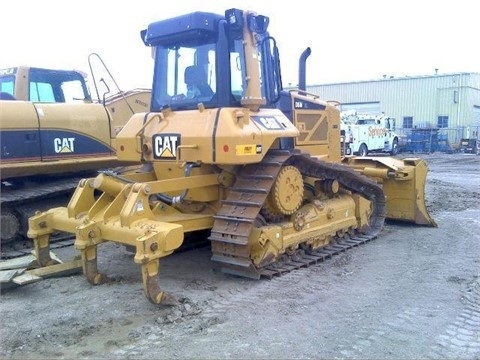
(403, 183)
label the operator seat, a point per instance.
(195, 75)
(6, 96)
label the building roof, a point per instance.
(392, 78)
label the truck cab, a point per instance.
(369, 133)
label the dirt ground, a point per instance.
(414, 292)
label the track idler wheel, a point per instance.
(10, 226)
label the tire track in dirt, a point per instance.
(462, 338)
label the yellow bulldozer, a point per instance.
(224, 149)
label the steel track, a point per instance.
(236, 218)
(57, 242)
(310, 258)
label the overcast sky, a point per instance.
(350, 39)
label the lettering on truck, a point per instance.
(377, 131)
(369, 133)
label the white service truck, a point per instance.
(369, 133)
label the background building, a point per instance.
(446, 103)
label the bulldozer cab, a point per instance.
(210, 59)
(217, 82)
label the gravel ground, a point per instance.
(414, 292)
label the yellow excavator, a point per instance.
(52, 134)
(224, 149)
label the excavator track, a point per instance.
(241, 210)
(39, 191)
(18, 204)
(57, 242)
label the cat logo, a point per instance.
(268, 122)
(165, 146)
(63, 145)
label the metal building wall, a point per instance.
(424, 98)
